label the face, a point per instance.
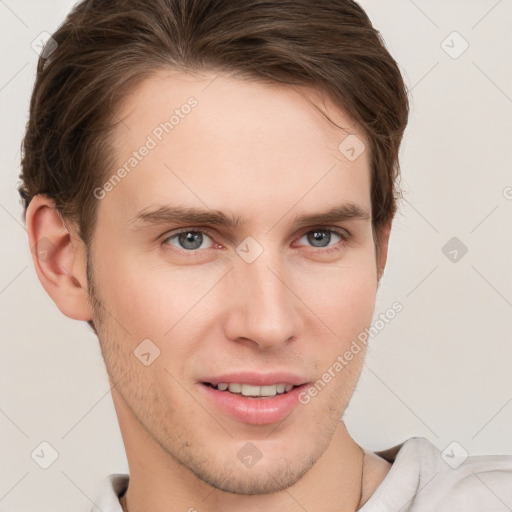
(249, 295)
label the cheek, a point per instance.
(164, 304)
(346, 305)
(343, 297)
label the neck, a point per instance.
(160, 484)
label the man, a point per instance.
(212, 186)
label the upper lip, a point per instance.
(256, 379)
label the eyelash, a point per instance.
(344, 236)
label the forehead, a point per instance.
(226, 143)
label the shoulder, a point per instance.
(424, 478)
(469, 482)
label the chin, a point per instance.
(265, 479)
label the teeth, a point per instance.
(248, 390)
(235, 388)
(281, 388)
(268, 390)
(254, 391)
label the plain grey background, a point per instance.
(440, 369)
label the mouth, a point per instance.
(253, 398)
(252, 391)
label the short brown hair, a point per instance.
(105, 48)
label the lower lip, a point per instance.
(256, 411)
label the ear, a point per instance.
(59, 257)
(382, 252)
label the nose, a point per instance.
(263, 310)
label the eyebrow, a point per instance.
(188, 215)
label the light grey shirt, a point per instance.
(421, 479)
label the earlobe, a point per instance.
(59, 258)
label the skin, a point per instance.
(262, 152)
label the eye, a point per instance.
(189, 240)
(322, 237)
(192, 240)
